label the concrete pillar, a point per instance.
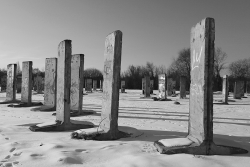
(200, 128)
(94, 85)
(122, 86)
(225, 89)
(11, 82)
(169, 86)
(238, 87)
(151, 86)
(77, 66)
(162, 86)
(248, 87)
(26, 83)
(182, 87)
(147, 86)
(110, 100)
(50, 82)
(143, 85)
(88, 85)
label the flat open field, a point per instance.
(155, 119)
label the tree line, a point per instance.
(180, 66)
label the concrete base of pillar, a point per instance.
(203, 149)
(57, 126)
(99, 134)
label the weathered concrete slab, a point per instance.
(151, 86)
(182, 87)
(242, 88)
(111, 76)
(147, 86)
(101, 83)
(225, 89)
(94, 85)
(170, 86)
(63, 82)
(11, 84)
(77, 66)
(200, 128)
(238, 88)
(88, 87)
(112, 67)
(201, 93)
(50, 82)
(143, 85)
(162, 83)
(248, 87)
(26, 82)
(123, 86)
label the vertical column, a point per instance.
(63, 82)
(94, 85)
(11, 82)
(89, 85)
(200, 129)
(182, 87)
(238, 89)
(151, 86)
(248, 87)
(26, 82)
(242, 86)
(225, 89)
(147, 86)
(77, 66)
(100, 84)
(201, 93)
(110, 100)
(162, 86)
(169, 86)
(143, 85)
(122, 86)
(50, 82)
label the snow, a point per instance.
(146, 119)
(176, 142)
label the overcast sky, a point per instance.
(153, 30)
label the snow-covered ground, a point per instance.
(156, 119)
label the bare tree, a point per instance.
(219, 64)
(219, 61)
(92, 73)
(181, 65)
(160, 70)
(240, 69)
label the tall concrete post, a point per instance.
(11, 84)
(182, 87)
(26, 82)
(225, 89)
(200, 128)
(77, 66)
